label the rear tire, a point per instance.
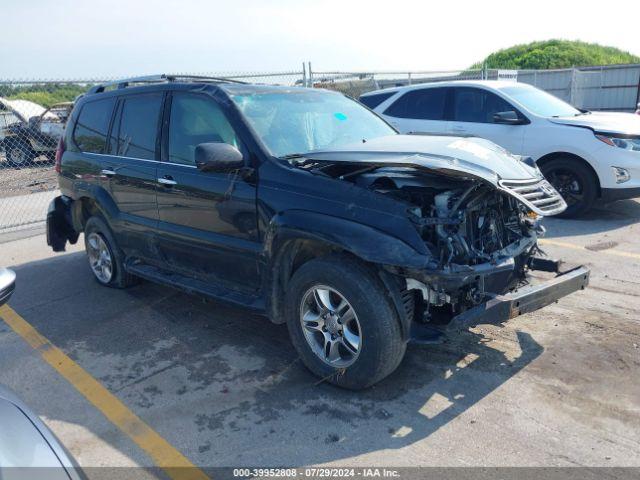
(378, 345)
(106, 260)
(575, 181)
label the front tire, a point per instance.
(575, 181)
(19, 154)
(342, 323)
(106, 260)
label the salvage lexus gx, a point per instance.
(306, 206)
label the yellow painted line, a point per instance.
(175, 465)
(573, 246)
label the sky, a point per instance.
(67, 39)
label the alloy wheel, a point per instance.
(567, 183)
(99, 257)
(330, 326)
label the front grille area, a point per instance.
(538, 195)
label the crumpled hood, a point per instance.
(462, 157)
(454, 155)
(605, 122)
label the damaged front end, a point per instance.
(480, 229)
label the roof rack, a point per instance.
(163, 78)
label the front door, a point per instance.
(208, 224)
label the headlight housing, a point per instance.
(626, 142)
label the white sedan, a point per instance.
(586, 155)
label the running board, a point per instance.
(195, 287)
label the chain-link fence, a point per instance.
(33, 115)
(355, 84)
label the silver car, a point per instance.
(28, 449)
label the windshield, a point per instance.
(299, 121)
(540, 102)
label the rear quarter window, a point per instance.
(372, 101)
(92, 126)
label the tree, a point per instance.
(556, 54)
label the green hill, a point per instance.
(556, 54)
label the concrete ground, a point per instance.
(558, 387)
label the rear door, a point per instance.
(419, 111)
(131, 167)
(208, 222)
(472, 111)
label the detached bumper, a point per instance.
(60, 225)
(527, 299)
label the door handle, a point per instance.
(167, 181)
(459, 129)
(108, 172)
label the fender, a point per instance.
(101, 198)
(367, 243)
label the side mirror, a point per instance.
(7, 285)
(218, 157)
(507, 118)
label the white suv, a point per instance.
(585, 155)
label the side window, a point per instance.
(92, 126)
(195, 119)
(137, 129)
(372, 101)
(477, 105)
(422, 104)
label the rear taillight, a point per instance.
(59, 152)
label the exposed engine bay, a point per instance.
(462, 221)
(482, 238)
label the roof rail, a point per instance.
(162, 78)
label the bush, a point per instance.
(556, 54)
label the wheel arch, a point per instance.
(93, 201)
(288, 248)
(556, 155)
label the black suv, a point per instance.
(306, 206)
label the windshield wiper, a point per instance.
(581, 112)
(292, 156)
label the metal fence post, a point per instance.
(572, 87)
(304, 75)
(637, 94)
(310, 75)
